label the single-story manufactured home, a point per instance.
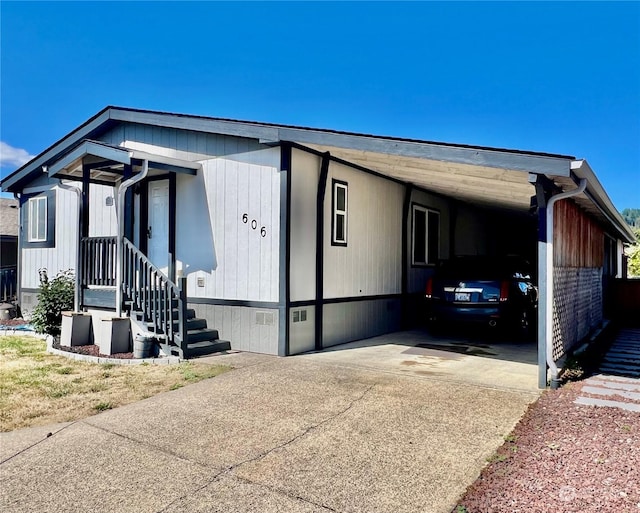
(285, 239)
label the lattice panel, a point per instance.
(577, 306)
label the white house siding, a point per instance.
(234, 259)
(305, 171)
(59, 258)
(102, 217)
(371, 263)
(180, 144)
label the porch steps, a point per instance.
(207, 347)
(201, 340)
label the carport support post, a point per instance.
(543, 253)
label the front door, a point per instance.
(158, 228)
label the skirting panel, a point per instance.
(345, 322)
(577, 306)
(248, 329)
(302, 329)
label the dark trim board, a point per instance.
(320, 197)
(338, 160)
(232, 302)
(285, 250)
(406, 209)
(349, 299)
(354, 299)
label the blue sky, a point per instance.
(553, 77)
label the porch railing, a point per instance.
(8, 283)
(162, 302)
(99, 261)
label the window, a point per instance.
(38, 219)
(339, 218)
(425, 236)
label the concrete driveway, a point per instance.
(300, 434)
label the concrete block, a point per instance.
(76, 329)
(114, 335)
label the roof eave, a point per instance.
(600, 198)
(13, 182)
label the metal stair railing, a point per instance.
(161, 301)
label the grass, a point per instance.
(38, 388)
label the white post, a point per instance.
(122, 189)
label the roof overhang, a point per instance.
(106, 163)
(491, 177)
(595, 200)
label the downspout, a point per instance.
(122, 190)
(18, 196)
(549, 279)
(78, 191)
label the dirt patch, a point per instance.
(563, 457)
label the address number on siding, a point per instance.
(254, 225)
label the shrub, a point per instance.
(55, 296)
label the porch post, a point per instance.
(84, 220)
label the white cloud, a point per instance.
(10, 156)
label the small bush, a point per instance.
(55, 296)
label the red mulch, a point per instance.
(91, 350)
(13, 322)
(561, 458)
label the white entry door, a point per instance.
(158, 229)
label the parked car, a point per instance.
(496, 291)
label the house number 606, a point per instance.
(254, 225)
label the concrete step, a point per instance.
(590, 401)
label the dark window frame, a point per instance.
(427, 239)
(25, 214)
(335, 185)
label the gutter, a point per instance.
(549, 279)
(78, 191)
(122, 190)
(599, 197)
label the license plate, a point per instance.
(463, 296)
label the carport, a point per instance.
(549, 208)
(336, 241)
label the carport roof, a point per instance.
(495, 177)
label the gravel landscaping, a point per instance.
(563, 457)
